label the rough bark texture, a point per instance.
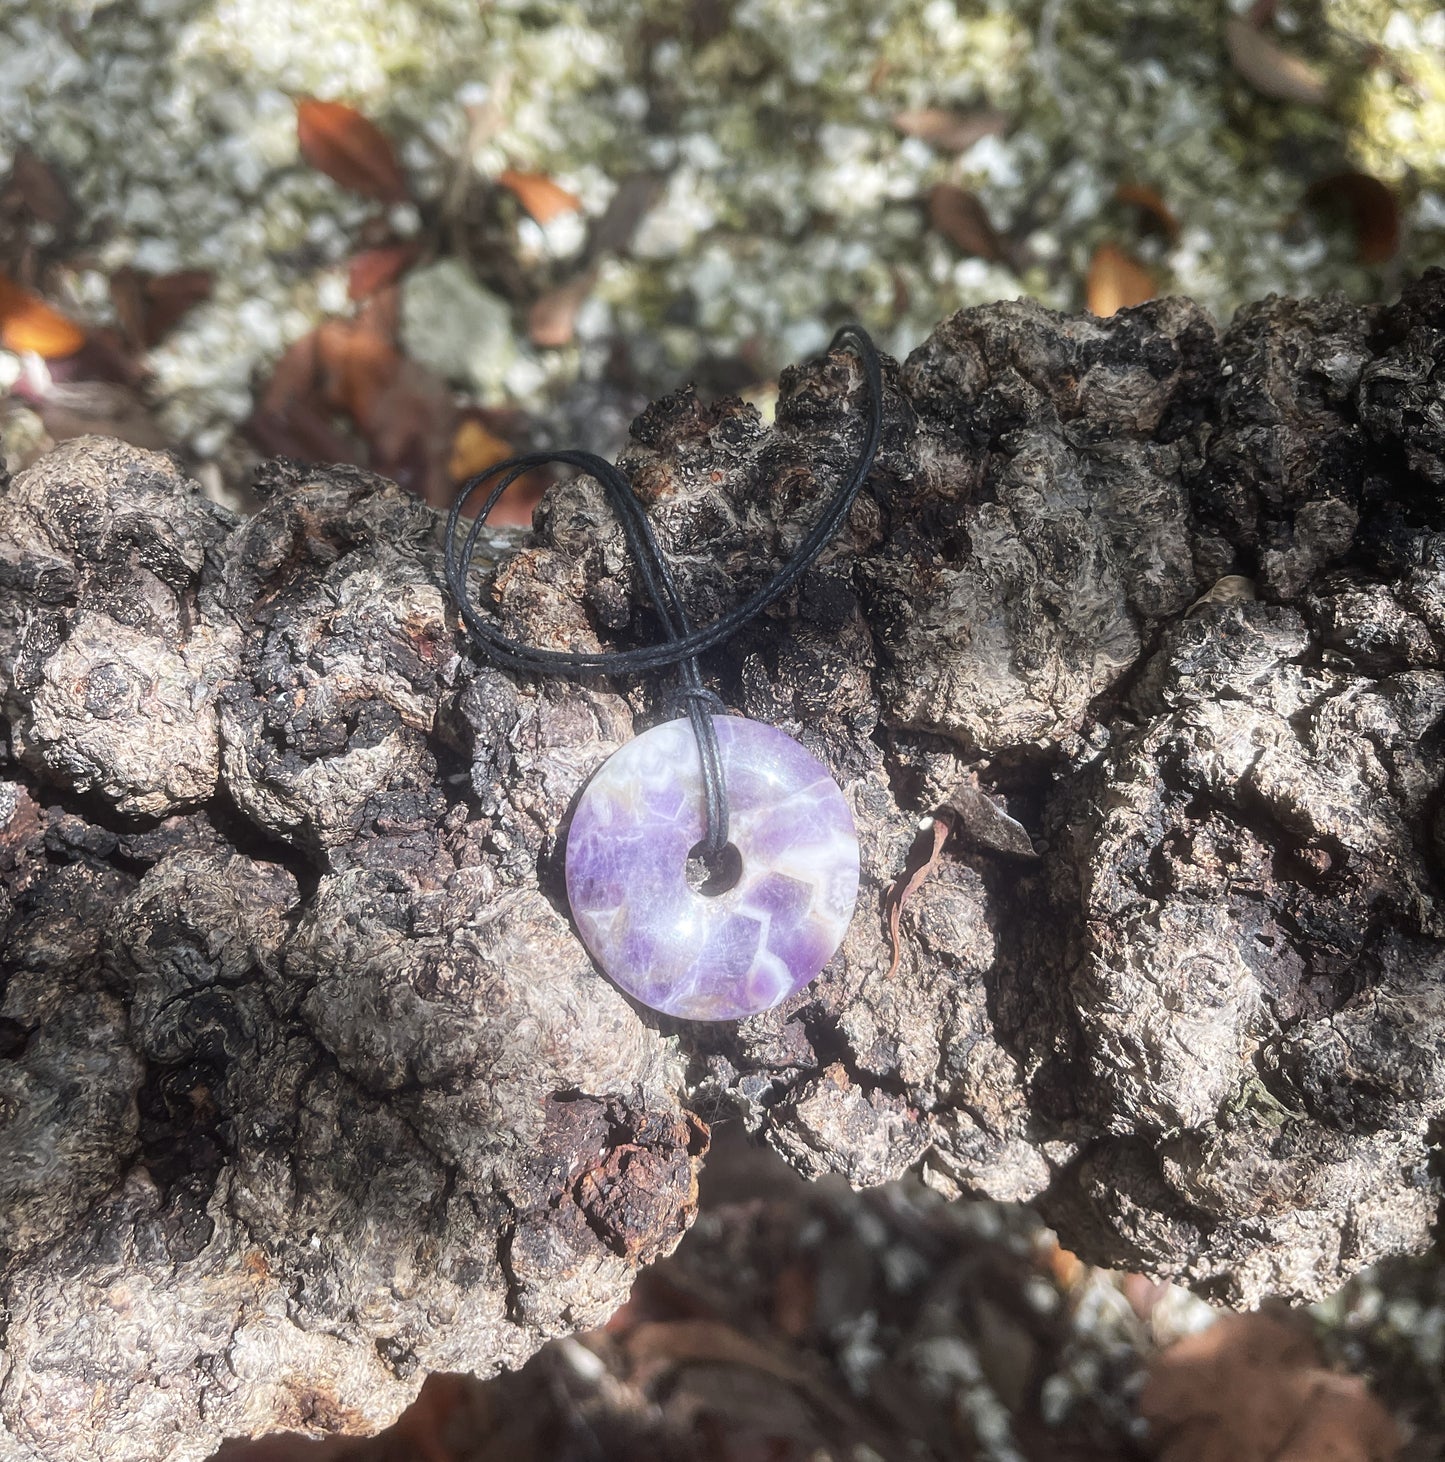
(307, 1087)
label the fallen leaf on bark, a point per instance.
(946, 130)
(1116, 281)
(1063, 1266)
(1231, 589)
(28, 323)
(931, 840)
(1250, 1389)
(969, 809)
(351, 150)
(539, 195)
(1368, 206)
(960, 218)
(351, 368)
(1270, 68)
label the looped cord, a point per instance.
(683, 643)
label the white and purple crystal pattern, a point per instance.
(726, 955)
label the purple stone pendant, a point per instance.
(715, 956)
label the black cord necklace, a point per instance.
(675, 948)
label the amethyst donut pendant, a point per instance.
(712, 956)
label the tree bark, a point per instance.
(308, 1088)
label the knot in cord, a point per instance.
(683, 643)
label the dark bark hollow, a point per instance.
(307, 1086)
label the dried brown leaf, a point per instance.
(552, 320)
(539, 195)
(350, 149)
(1250, 1389)
(374, 269)
(34, 188)
(291, 418)
(1065, 1267)
(357, 364)
(28, 323)
(1148, 202)
(293, 377)
(1270, 68)
(1370, 208)
(127, 299)
(795, 1297)
(409, 430)
(475, 447)
(946, 130)
(960, 218)
(1116, 281)
(912, 879)
(1231, 589)
(149, 306)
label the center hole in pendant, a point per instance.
(711, 879)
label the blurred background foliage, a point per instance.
(510, 224)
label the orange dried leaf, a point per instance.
(1369, 206)
(28, 323)
(960, 218)
(1064, 1266)
(1144, 198)
(1116, 281)
(351, 150)
(474, 449)
(1270, 68)
(539, 195)
(946, 130)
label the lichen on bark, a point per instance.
(307, 1087)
